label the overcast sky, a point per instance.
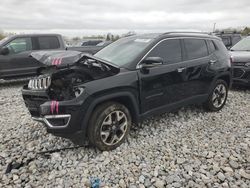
(85, 17)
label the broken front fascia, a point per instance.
(60, 102)
(65, 71)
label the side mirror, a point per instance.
(4, 51)
(150, 62)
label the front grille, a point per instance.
(238, 72)
(40, 83)
(247, 76)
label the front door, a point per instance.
(162, 85)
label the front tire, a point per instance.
(109, 126)
(218, 96)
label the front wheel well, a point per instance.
(127, 102)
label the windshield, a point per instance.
(3, 40)
(124, 51)
(243, 45)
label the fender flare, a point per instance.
(96, 101)
(221, 75)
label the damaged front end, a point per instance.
(56, 96)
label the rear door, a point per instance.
(18, 61)
(197, 73)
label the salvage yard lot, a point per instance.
(189, 148)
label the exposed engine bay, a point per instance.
(63, 79)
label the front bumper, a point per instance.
(61, 118)
(55, 121)
(241, 75)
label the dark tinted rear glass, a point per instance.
(195, 48)
(169, 51)
(91, 43)
(48, 42)
(226, 41)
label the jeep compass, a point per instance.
(97, 98)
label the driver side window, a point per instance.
(168, 50)
(19, 45)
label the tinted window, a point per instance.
(48, 43)
(91, 43)
(169, 51)
(226, 41)
(211, 46)
(195, 48)
(19, 45)
(94, 43)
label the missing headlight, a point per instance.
(78, 91)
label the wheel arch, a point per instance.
(226, 76)
(126, 98)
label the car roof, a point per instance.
(176, 34)
(34, 35)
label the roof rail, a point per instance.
(194, 32)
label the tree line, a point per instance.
(112, 37)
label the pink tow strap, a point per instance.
(54, 106)
(57, 61)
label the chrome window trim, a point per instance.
(174, 38)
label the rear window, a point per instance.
(48, 42)
(91, 43)
(195, 48)
(226, 41)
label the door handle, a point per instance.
(211, 62)
(181, 69)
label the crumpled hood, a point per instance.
(58, 58)
(62, 58)
(240, 56)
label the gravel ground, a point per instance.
(189, 148)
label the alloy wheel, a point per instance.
(114, 127)
(219, 95)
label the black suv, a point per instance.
(97, 98)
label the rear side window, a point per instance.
(48, 42)
(211, 46)
(195, 48)
(168, 50)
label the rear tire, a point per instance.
(109, 126)
(218, 97)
